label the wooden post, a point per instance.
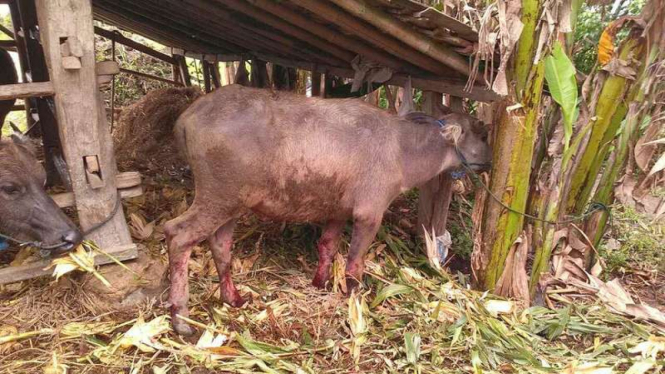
(216, 78)
(259, 73)
(207, 80)
(87, 144)
(183, 70)
(435, 195)
(316, 84)
(24, 18)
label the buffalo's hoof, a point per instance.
(319, 282)
(234, 299)
(182, 328)
(352, 284)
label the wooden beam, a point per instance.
(275, 38)
(159, 33)
(40, 268)
(149, 76)
(330, 35)
(86, 140)
(119, 38)
(437, 18)
(296, 32)
(24, 90)
(449, 86)
(7, 44)
(145, 13)
(370, 34)
(406, 34)
(7, 31)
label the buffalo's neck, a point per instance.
(424, 155)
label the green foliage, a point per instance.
(560, 75)
(129, 88)
(591, 22)
(641, 243)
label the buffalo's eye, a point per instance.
(11, 190)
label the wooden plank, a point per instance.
(84, 131)
(66, 199)
(406, 34)
(36, 269)
(442, 85)
(119, 38)
(24, 90)
(149, 76)
(8, 44)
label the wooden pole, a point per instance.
(316, 84)
(33, 64)
(183, 70)
(119, 38)
(370, 34)
(216, 78)
(85, 135)
(207, 80)
(435, 195)
(329, 35)
(281, 25)
(405, 33)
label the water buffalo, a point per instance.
(297, 159)
(27, 213)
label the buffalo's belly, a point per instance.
(300, 203)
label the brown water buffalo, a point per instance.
(27, 213)
(297, 159)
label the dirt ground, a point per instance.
(416, 321)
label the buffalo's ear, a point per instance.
(420, 118)
(442, 110)
(452, 132)
(23, 141)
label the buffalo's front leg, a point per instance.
(365, 227)
(182, 234)
(221, 243)
(327, 246)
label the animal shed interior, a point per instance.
(409, 38)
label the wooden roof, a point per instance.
(324, 35)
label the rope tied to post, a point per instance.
(40, 245)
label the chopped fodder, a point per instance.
(143, 136)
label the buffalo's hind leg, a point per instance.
(327, 247)
(221, 244)
(365, 227)
(182, 234)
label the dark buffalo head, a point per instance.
(27, 213)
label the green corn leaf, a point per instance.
(560, 75)
(390, 291)
(412, 347)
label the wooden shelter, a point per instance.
(55, 41)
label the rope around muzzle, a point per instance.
(593, 207)
(40, 245)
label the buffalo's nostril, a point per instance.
(73, 237)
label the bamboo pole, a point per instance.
(284, 45)
(329, 35)
(285, 27)
(119, 38)
(371, 35)
(404, 33)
